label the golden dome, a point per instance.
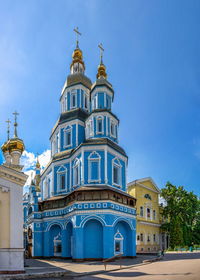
(101, 71)
(77, 57)
(4, 147)
(15, 144)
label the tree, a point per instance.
(182, 212)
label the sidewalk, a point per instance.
(40, 268)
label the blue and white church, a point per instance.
(78, 206)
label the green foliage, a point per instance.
(182, 212)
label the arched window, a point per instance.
(62, 179)
(154, 214)
(141, 211)
(99, 125)
(112, 129)
(118, 241)
(68, 137)
(73, 100)
(148, 213)
(116, 172)
(94, 168)
(85, 102)
(76, 172)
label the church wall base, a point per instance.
(11, 261)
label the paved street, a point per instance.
(173, 267)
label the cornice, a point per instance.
(12, 175)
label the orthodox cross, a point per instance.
(101, 52)
(15, 123)
(8, 128)
(77, 34)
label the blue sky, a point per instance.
(152, 54)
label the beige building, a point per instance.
(149, 235)
(12, 180)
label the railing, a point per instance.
(119, 256)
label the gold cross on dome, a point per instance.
(101, 51)
(8, 128)
(77, 34)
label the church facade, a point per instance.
(78, 206)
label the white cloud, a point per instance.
(29, 160)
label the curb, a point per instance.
(69, 274)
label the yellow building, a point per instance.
(12, 180)
(149, 236)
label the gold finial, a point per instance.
(101, 53)
(8, 128)
(101, 68)
(15, 124)
(37, 163)
(77, 34)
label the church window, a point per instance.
(112, 129)
(154, 214)
(73, 100)
(141, 211)
(141, 237)
(154, 238)
(76, 172)
(58, 142)
(68, 137)
(85, 102)
(148, 212)
(94, 167)
(138, 237)
(116, 172)
(95, 103)
(99, 124)
(62, 178)
(148, 238)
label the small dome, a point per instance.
(101, 71)
(77, 57)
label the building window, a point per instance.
(154, 214)
(73, 100)
(99, 125)
(112, 129)
(148, 238)
(76, 172)
(141, 237)
(154, 238)
(148, 213)
(58, 142)
(85, 101)
(68, 137)
(94, 167)
(118, 243)
(141, 211)
(138, 237)
(62, 178)
(95, 102)
(116, 172)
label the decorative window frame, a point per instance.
(61, 171)
(112, 122)
(78, 166)
(91, 159)
(116, 163)
(73, 93)
(118, 237)
(66, 130)
(100, 118)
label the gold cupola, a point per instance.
(101, 68)
(14, 147)
(77, 65)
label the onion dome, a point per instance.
(101, 71)
(15, 144)
(77, 65)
